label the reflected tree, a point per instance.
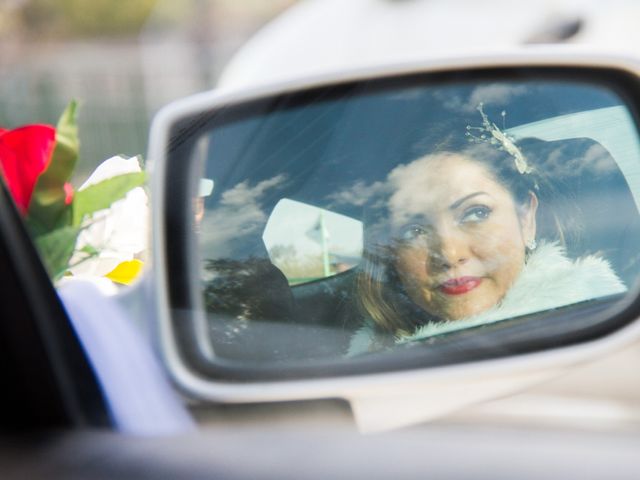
(247, 289)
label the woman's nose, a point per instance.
(450, 249)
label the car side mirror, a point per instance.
(483, 214)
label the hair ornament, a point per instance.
(490, 133)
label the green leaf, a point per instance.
(89, 250)
(56, 249)
(47, 207)
(101, 195)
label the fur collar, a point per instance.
(548, 280)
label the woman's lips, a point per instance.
(458, 286)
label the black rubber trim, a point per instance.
(563, 327)
(48, 382)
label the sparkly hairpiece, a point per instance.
(490, 133)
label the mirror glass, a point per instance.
(308, 243)
(378, 216)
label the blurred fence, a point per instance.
(121, 81)
(119, 86)
(114, 116)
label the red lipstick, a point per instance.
(458, 286)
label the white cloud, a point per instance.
(496, 94)
(243, 193)
(238, 214)
(598, 160)
(359, 193)
(595, 161)
(401, 194)
(409, 194)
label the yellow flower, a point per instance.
(125, 272)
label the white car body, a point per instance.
(589, 385)
(319, 36)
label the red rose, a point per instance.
(24, 154)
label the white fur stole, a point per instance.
(548, 280)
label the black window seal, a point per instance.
(50, 381)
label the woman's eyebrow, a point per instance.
(459, 202)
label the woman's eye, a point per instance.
(412, 232)
(476, 214)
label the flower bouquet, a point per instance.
(98, 229)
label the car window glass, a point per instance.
(308, 243)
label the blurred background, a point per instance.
(124, 59)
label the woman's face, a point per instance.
(460, 235)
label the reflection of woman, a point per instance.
(471, 234)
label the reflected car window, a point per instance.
(307, 243)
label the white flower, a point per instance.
(118, 233)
